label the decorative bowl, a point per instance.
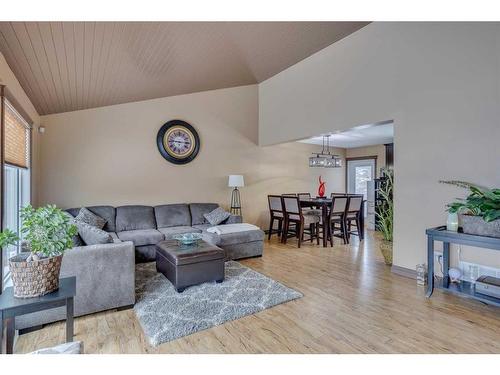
(187, 238)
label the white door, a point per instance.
(359, 172)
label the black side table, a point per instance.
(10, 307)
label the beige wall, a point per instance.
(108, 155)
(375, 150)
(438, 82)
(18, 95)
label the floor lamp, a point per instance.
(236, 181)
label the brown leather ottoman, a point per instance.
(189, 265)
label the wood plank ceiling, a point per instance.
(67, 66)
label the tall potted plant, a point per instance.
(48, 232)
(479, 212)
(385, 214)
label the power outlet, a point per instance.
(438, 261)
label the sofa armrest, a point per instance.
(105, 275)
(105, 279)
(234, 219)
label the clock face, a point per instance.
(178, 142)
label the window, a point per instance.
(16, 178)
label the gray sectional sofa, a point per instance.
(106, 273)
(145, 226)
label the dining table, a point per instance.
(323, 204)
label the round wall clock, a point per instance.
(178, 142)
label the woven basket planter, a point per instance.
(386, 250)
(35, 278)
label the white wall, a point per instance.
(108, 155)
(439, 82)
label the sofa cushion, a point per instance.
(134, 218)
(217, 216)
(170, 231)
(77, 240)
(90, 218)
(114, 236)
(233, 238)
(198, 210)
(108, 213)
(202, 227)
(141, 237)
(92, 235)
(172, 215)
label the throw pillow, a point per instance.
(77, 240)
(90, 218)
(217, 216)
(92, 235)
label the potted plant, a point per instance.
(479, 212)
(385, 214)
(48, 232)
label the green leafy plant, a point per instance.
(47, 230)
(8, 237)
(481, 201)
(385, 212)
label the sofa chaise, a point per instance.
(106, 273)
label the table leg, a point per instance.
(69, 319)
(362, 222)
(430, 266)
(326, 225)
(446, 264)
(1, 332)
(10, 335)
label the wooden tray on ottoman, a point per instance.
(187, 265)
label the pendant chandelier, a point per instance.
(325, 159)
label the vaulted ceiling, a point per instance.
(67, 66)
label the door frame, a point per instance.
(374, 157)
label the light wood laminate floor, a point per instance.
(352, 304)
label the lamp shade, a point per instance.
(235, 180)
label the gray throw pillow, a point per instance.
(217, 216)
(90, 218)
(92, 235)
(77, 240)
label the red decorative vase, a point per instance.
(321, 188)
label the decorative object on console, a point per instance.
(455, 275)
(178, 142)
(321, 188)
(480, 211)
(421, 274)
(385, 215)
(217, 216)
(235, 181)
(324, 158)
(452, 222)
(48, 232)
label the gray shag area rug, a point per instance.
(166, 315)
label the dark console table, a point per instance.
(464, 288)
(10, 307)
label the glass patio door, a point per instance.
(359, 172)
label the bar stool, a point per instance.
(353, 216)
(308, 211)
(337, 216)
(276, 213)
(304, 223)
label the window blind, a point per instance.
(17, 142)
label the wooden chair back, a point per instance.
(304, 196)
(275, 205)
